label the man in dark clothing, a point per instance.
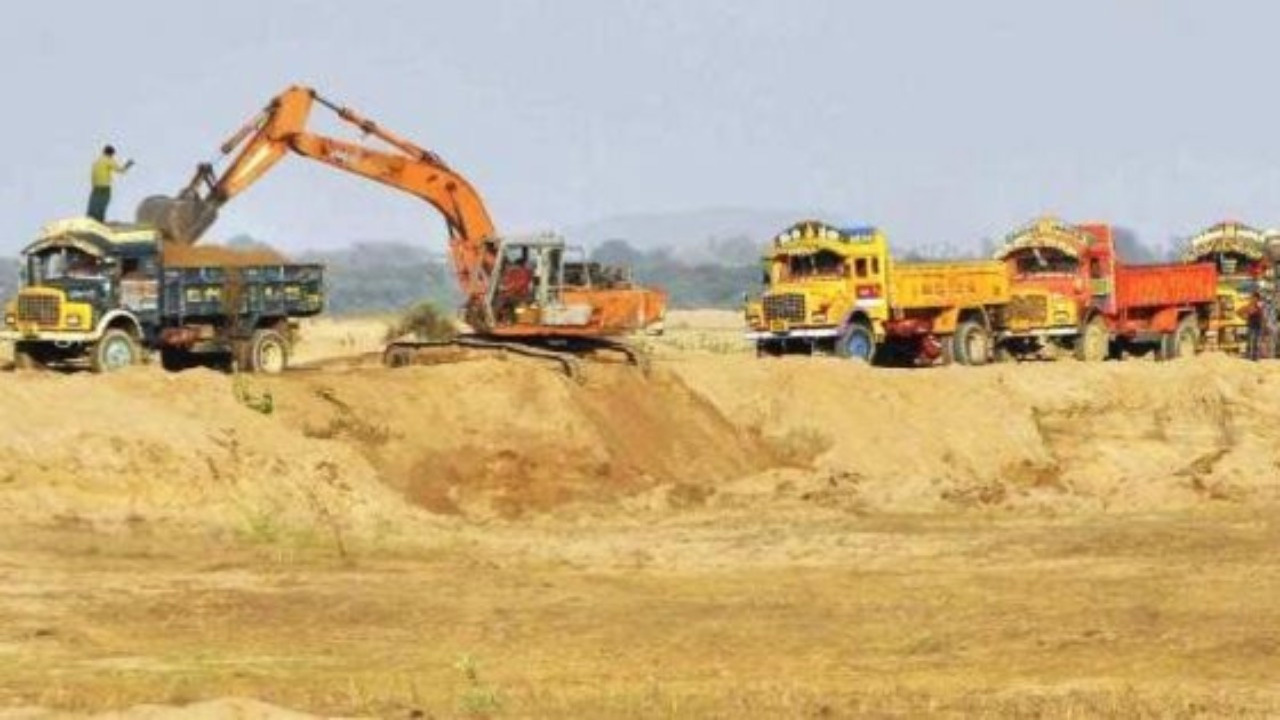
(1255, 317)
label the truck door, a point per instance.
(1102, 283)
(868, 275)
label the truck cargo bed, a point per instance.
(1139, 286)
(933, 285)
(213, 291)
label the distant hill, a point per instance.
(724, 236)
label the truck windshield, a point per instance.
(1046, 261)
(61, 263)
(819, 264)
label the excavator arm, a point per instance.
(584, 309)
(281, 128)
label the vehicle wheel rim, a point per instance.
(858, 347)
(117, 354)
(975, 348)
(271, 357)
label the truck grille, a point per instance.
(1028, 310)
(789, 307)
(39, 309)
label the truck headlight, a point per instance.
(11, 320)
(73, 321)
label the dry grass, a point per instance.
(1168, 616)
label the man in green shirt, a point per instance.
(103, 169)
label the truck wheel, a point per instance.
(398, 356)
(1183, 341)
(1093, 343)
(856, 343)
(268, 352)
(116, 350)
(971, 344)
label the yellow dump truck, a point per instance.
(838, 290)
(1239, 253)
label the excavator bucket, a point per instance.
(182, 220)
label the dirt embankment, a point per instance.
(1052, 436)
(344, 450)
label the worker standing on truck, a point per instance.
(104, 169)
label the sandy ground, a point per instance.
(725, 537)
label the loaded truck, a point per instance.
(829, 289)
(1070, 292)
(106, 296)
(1240, 254)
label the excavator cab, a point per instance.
(528, 287)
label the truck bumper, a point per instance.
(10, 335)
(802, 334)
(1042, 332)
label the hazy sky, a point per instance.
(938, 120)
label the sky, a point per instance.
(939, 121)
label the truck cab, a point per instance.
(1239, 253)
(826, 288)
(1055, 270)
(84, 282)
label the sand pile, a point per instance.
(1059, 436)
(372, 449)
(146, 447)
(204, 255)
(508, 438)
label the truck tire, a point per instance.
(398, 356)
(856, 343)
(1183, 341)
(971, 344)
(268, 352)
(115, 350)
(1094, 343)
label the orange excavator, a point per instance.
(534, 295)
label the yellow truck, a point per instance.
(1240, 254)
(838, 290)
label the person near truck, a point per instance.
(105, 168)
(1255, 318)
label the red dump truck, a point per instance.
(1071, 292)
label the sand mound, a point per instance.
(364, 450)
(146, 447)
(1059, 436)
(513, 437)
(176, 255)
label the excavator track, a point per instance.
(568, 356)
